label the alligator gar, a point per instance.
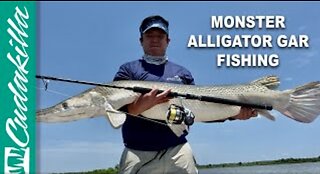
(301, 104)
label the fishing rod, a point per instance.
(143, 90)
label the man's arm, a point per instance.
(147, 101)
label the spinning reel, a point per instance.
(178, 114)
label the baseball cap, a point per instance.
(154, 22)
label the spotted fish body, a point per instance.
(301, 104)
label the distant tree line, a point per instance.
(110, 170)
(115, 170)
(255, 163)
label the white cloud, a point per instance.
(288, 79)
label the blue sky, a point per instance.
(90, 40)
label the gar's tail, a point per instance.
(303, 104)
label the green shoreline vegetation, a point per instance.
(115, 170)
(259, 163)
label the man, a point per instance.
(151, 147)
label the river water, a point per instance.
(300, 168)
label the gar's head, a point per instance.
(85, 105)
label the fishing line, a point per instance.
(140, 117)
(46, 84)
(54, 92)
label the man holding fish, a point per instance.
(151, 147)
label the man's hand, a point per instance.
(147, 101)
(245, 113)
